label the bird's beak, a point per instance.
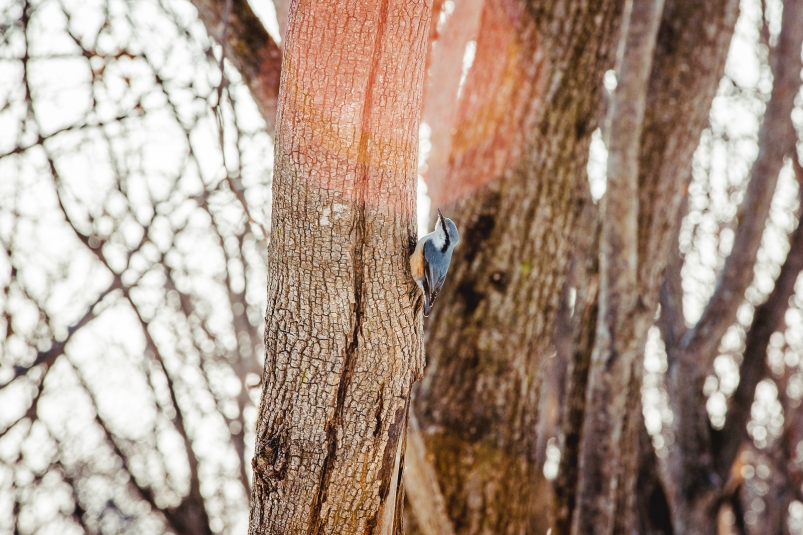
(440, 215)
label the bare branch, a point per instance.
(421, 486)
(217, 110)
(445, 69)
(282, 15)
(19, 149)
(575, 402)
(767, 318)
(250, 49)
(700, 489)
(190, 516)
(671, 322)
(49, 356)
(773, 142)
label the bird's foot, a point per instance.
(411, 243)
(418, 303)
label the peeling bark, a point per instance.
(343, 341)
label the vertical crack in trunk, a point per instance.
(364, 161)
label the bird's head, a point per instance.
(448, 228)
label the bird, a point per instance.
(430, 259)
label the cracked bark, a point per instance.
(343, 342)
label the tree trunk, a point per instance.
(343, 339)
(443, 83)
(621, 322)
(688, 64)
(517, 174)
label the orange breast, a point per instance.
(417, 262)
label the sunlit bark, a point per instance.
(515, 180)
(343, 339)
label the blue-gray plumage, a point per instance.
(430, 259)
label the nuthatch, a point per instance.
(430, 258)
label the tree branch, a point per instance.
(671, 322)
(421, 485)
(49, 356)
(583, 326)
(282, 8)
(767, 319)
(619, 325)
(692, 475)
(773, 141)
(250, 49)
(445, 69)
(190, 516)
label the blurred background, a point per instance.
(135, 174)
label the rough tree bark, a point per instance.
(343, 341)
(516, 177)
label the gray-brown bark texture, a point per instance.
(514, 187)
(343, 341)
(621, 322)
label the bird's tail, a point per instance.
(427, 304)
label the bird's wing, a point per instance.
(426, 287)
(434, 282)
(436, 289)
(429, 286)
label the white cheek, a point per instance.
(438, 240)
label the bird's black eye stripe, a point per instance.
(446, 233)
